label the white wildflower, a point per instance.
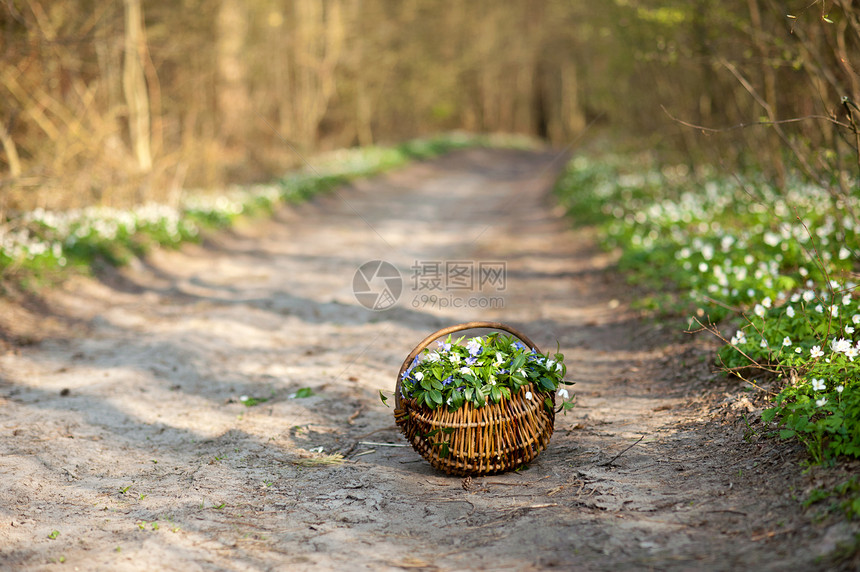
(563, 393)
(840, 388)
(846, 300)
(758, 310)
(808, 296)
(849, 329)
(739, 338)
(789, 311)
(840, 346)
(418, 376)
(767, 302)
(786, 341)
(821, 402)
(816, 352)
(529, 395)
(818, 384)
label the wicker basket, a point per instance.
(472, 440)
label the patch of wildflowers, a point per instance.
(483, 370)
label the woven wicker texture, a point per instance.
(472, 440)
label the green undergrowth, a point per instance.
(771, 271)
(843, 498)
(42, 244)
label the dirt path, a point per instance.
(128, 438)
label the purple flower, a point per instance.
(474, 346)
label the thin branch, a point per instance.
(753, 123)
(713, 330)
(615, 458)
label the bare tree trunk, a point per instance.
(11, 153)
(768, 75)
(571, 117)
(320, 33)
(134, 86)
(233, 104)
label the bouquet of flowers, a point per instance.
(484, 369)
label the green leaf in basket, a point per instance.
(506, 393)
(444, 451)
(429, 400)
(547, 383)
(518, 362)
(383, 398)
(548, 404)
(496, 394)
(436, 396)
(479, 399)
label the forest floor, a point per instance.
(125, 444)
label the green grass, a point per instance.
(770, 271)
(42, 245)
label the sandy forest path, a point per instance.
(124, 444)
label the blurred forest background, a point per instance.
(124, 101)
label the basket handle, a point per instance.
(450, 330)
